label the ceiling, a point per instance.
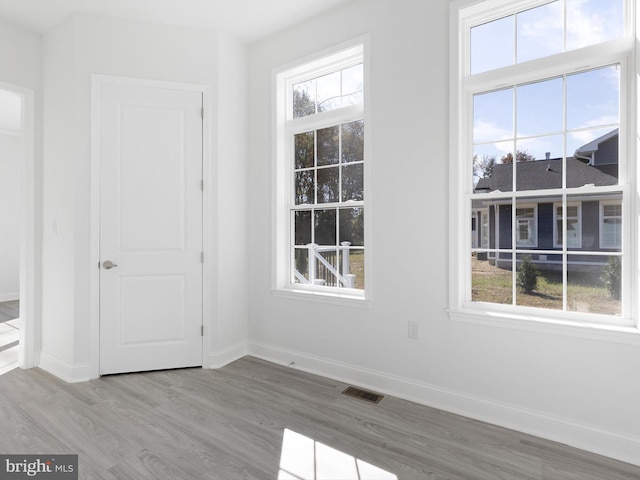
(248, 20)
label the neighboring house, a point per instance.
(593, 221)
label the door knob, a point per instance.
(108, 264)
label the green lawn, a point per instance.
(585, 292)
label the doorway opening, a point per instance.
(17, 217)
(11, 158)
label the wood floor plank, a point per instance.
(9, 310)
(229, 424)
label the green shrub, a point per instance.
(612, 277)
(527, 275)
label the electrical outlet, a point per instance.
(414, 330)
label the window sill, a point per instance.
(323, 297)
(540, 324)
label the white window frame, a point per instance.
(532, 225)
(285, 127)
(556, 232)
(601, 222)
(463, 15)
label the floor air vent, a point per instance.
(363, 394)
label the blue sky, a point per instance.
(537, 122)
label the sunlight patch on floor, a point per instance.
(303, 458)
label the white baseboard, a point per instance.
(226, 356)
(585, 437)
(9, 297)
(63, 370)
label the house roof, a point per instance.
(547, 174)
(595, 144)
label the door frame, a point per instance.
(97, 80)
(30, 331)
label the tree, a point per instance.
(303, 104)
(527, 275)
(521, 156)
(483, 167)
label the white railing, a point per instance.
(315, 252)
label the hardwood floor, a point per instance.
(256, 420)
(9, 310)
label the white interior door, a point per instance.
(150, 228)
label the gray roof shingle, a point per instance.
(547, 174)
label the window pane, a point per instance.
(328, 145)
(325, 227)
(305, 188)
(327, 267)
(593, 98)
(302, 227)
(594, 284)
(539, 281)
(304, 99)
(304, 150)
(352, 226)
(539, 163)
(493, 167)
(353, 141)
(548, 147)
(493, 116)
(328, 92)
(352, 267)
(301, 265)
(492, 45)
(353, 182)
(594, 160)
(491, 281)
(540, 31)
(577, 141)
(328, 184)
(540, 108)
(593, 21)
(352, 85)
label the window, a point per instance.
(321, 164)
(540, 139)
(610, 225)
(573, 226)
(526, 231)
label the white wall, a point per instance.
(230, 293)
(571, 389)
(11, 157)
(58, 264)
(77, 48)
(19, 57)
